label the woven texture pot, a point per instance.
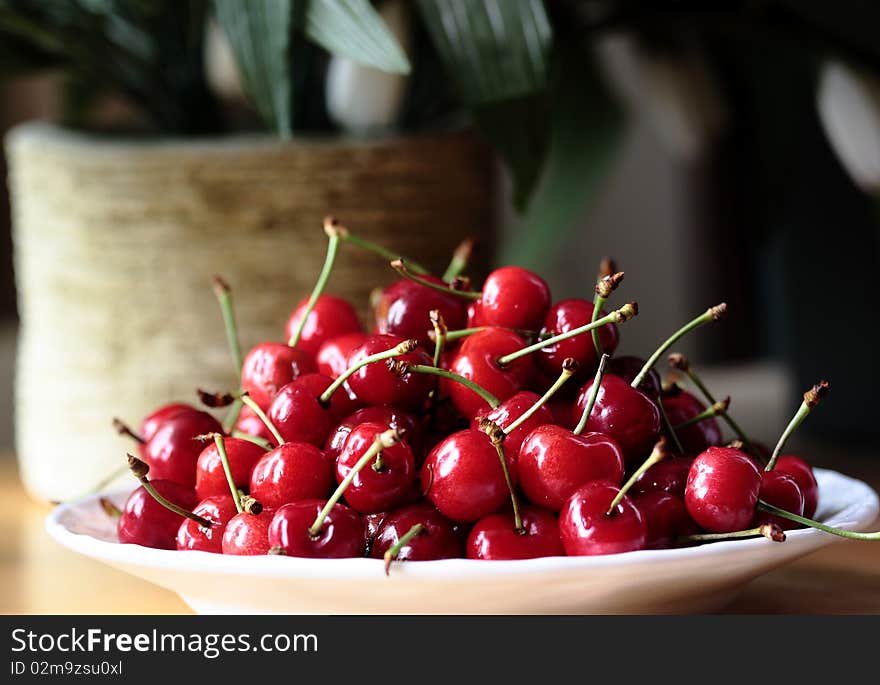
(116, 242)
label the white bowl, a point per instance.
(690, 580)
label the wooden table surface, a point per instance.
(39, 576)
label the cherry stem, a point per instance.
(569, 367)
(496, 435)
(668, 425)
(403, 368)
(440, 333)
(460, 259)
(770, 509)
(715, 410)
(392, 552)
(232, 415)
(124, 429)
(224, 459)
(625, 313)
(332, 230)
(405, 347)
(658, 454)
(606, 285)
(406, 271)
(711, 314)
(346, 236)
(255, 408)
(811, 398)
(140, 469)
(771, 531)
(256, 439)
(591, 398)
(109, 508)
(223, 293)
(466, 332)
(384, 440)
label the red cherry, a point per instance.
(563, 317)
(270, 366)
(802, 472)
(476, 360)
(299, 415)
(403, 309)
(781, 490)
(509, 411)
(666, 518)
(154, 420)
(247, 534)
(623, 413)
(210, 475)
(554, 462)
(291, 472)
(695, 438)
(375, 384)
(627, 368)
(342, 534)
(371, 491)
(146, 522)
(438, 540)
(403, 422)
(332, 357)
(332, 316)
(587, 529)
(372, 523)
(494, 537)
(173, 451)
(463, 478)
(513, 297)
(218, 509)
(669, 475)
(722, 490)
(250, 423)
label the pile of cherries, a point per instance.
(491, 424)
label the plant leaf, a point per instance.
(353, 29)
(494, 49)
(260, 33)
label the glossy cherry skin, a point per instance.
(371, 491)
(628, 367)
(802, 472)
(173, 451)
(375, 384)
(219, 509)
(623, 413)
(291, 472)
(250, 423)
(587, 530)
(666, 518)
(438, 540)
(270, 366)
(404, 422)
(463, 478)
(669, 475)
(155, 419)
(494, 538)
(210, 475)
(722, 490)
(781, 490)
(300, 417)
(513, 297)
(404, 309)
(554, 462)
(509, 411)
(146, 522)
(682, 406)
(332, 316)
(247, 534)
(342, 534)
(476, 360)
(372, 523)
(332, 357)
(565, 316)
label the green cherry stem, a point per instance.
(811, 398)
(770, 509)
(405, 347)
(392, 552)
(591, 398)
(668, 425)
(255, 408)
(223, 293)
(140, 469)
(711, 314)
(625, 313)
(332, 229)
(604, 287)
(440, 332)
(715, 410)
(347, 237)
(771, 531)
(384, 440)
(400, 368)
(569, 368)
(496, 435)
(224, 459)
(257, 440)
(460, 259)
(658, 454)
(406, 271)
(460, 333)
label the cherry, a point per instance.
(144, 521)
(509, 411)
(372, 523)
(381, 485)
(513, 297)
(270, 366)
(563, 317)
(331, 317)
(332, 357)
(290, 472)
(218, 509)
(247, 534)
(681, 406)
(802, 472)
(341, 534)
(554, 462)
(403, 422)
(437, 540)
(403, 309)
(628, 367)
(153, 421)
(666, 518)
(588, 529)
(210, 475)
(781, 490)
(494, 538)
(299, 414)
(669, 475)
(722, 490)
(173, 450)
(375, 384)
(251, 424)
